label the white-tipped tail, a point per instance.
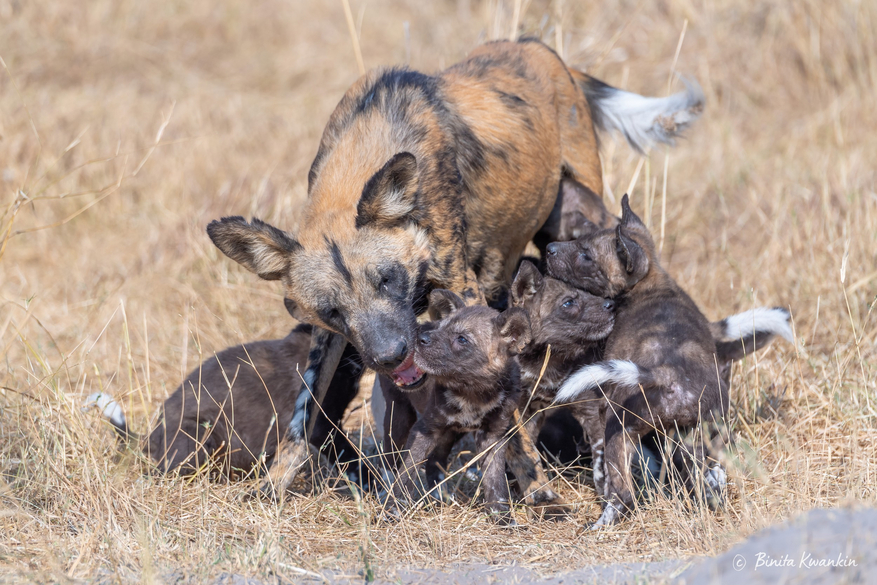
(619, 372)
(109, 409)
(758, 321)
(644, 121)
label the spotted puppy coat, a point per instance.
(659, 370)
(230, 412)
(476, 387)
(575, 325)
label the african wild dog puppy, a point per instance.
(434, 181)
(475, 387)
(578, 211)
(231, 410)
(576, 324)
(659, 372)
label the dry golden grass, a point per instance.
(770, 201)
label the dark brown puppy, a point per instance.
(575, 325)
(660, 371)
(231, 411)
(578, 211)
(476, 386)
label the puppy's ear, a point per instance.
(514, 328)
(628, 218)
(257, 246)
(575, 225)
(527, 282)
(632, 257)
(442, 303)
(390, 194)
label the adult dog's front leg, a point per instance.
(323, 359)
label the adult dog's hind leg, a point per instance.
(323, 360)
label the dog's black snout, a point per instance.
(394, 357)
(609, 305)
(424, 338)
(551, 249)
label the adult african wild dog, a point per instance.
(660, 371)
(434, 181)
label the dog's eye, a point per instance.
(461, 340)
(569, 303)
(584, 256)
(331, 316)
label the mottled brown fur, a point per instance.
(475, 387)
(230, 412)
(657, 327)
(575, 325)
(424, 182)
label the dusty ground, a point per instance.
(126, 127)
(820, 547)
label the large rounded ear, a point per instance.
(390, 194)
(632, 257)
(527, 283)
(514, 328)
(257, 246)
(442, 303)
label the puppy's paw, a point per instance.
(547, 505)
(715, 486)
(611, 514)
(555, 511)
(501, 514)
(265, 491)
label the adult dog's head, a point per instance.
(357, 275)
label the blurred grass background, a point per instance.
(125, 127)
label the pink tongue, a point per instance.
(407, 373)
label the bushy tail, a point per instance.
(644, 121)
(113, 413)
(742, 334)
(618, 372)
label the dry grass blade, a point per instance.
(763, 202)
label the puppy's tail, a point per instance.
(616, 372)
(644, 121)
(112, 412)
(742, 334)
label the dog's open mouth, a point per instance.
(408, 376)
